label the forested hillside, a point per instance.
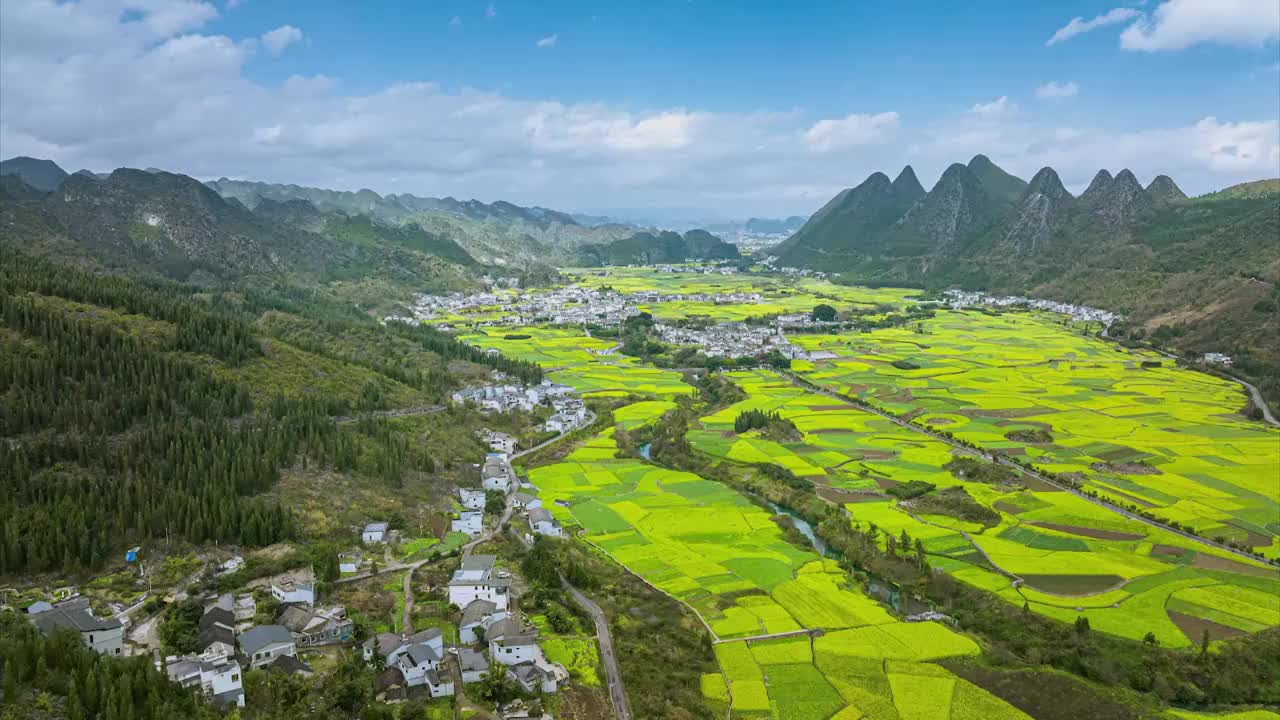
(646, 248)
(135, 409)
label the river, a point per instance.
(803, 526)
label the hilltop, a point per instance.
(645, 248)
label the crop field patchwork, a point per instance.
(1135, 428)
(1069, 556)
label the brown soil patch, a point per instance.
(1213, 562)
(1193, 627)
(1070, 585)
(727, 434)
(1254, 539)
(877, 454)
(1118, 454)
(1007, 413)
(1007, 507)
(1126, 468)
(913, 414)
(1169, 550)
(1088, 532)
(844, 497)
(819, 408)
(1035, 483)
(941, 421)
(857, 389)
(886, 483)
(831, 431)
(1033, 423)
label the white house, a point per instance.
(472, 499)
(542, 523)
(349, 562)
(476, 580)
(473, 665)
(478, 615)
(104, 635)
(471, 523)
(231, 565)
(533, 677)
(416, 661)
(510, 643)
(393, 647)
(438, 684)
(496, 474)
(374, 533)
(556, 423)
(525, 501)
(219, 680)
(294, 591)
(264, 643)
(323, 626)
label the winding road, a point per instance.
(807, 385)
(613, 676)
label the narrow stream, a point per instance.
(644, 450)
(802, 525)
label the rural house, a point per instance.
(264, 643)
(104, 635)
(374, 533)
(542, 523)
(476, 580)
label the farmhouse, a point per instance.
(542, 523)
(264, 643)
(496, 474)
(216, 636)
(472, 499)
(219, 680)
(323, 626)
(374, 533)
(294, 591)
(511, 643)
(476, 580)
(472, 664)
(471, 523)
(478, 615)
(525, 501)
(104, 635)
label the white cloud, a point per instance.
(548, 41)
(129, 97)
(999, 106)
(1079, 25)
(1054, 90)
(280, 38)
(851, 130)
(455, 22)
(1179, 24)
(233, 4)
(490, 12)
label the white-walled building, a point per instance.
(374, 533)
(103, 635)
(219, 680)
(294, 591)
(264, 643)
(542, 523)
(471, 498)
(476, 580)
(470, 522)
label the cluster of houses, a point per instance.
(227, 641)
(698, 269)
(1217, 358)
(733, 340)
(770, 264)
(966, 298)
(503, 397)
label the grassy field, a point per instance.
(1130, 425)
(1059, 554)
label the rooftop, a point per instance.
(256, 638)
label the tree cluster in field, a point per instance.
(957, 503)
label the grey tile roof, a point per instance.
(537, 515)
(419, 653)
(256, 638)
(376, 527)
(477, 610)
(78, 619)
(469, 660)
(478, 562)
(426, 635)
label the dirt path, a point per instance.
(805, 384)
(406, 620)
(613, 676)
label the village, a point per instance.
(231, 636)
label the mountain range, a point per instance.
(646, 248)
(1199, 273)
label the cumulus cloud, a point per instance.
(280, 38)
(490, 12)
(850, 131)
(1179, 24)
(1054, 90)
(1079, 25)
(999, 106)
(548, 41)
(87, 86)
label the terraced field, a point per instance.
(1132, 427)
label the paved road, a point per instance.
(406, 620)
(591, 417)
(613, 676)
(770, 636)
(1258, 401)
(805, 384)
(401, 412)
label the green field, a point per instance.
(1068, 556)
(1165, 439)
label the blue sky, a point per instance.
(738, 107)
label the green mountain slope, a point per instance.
(645, 248)
(39, 174)
(1198, 274)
